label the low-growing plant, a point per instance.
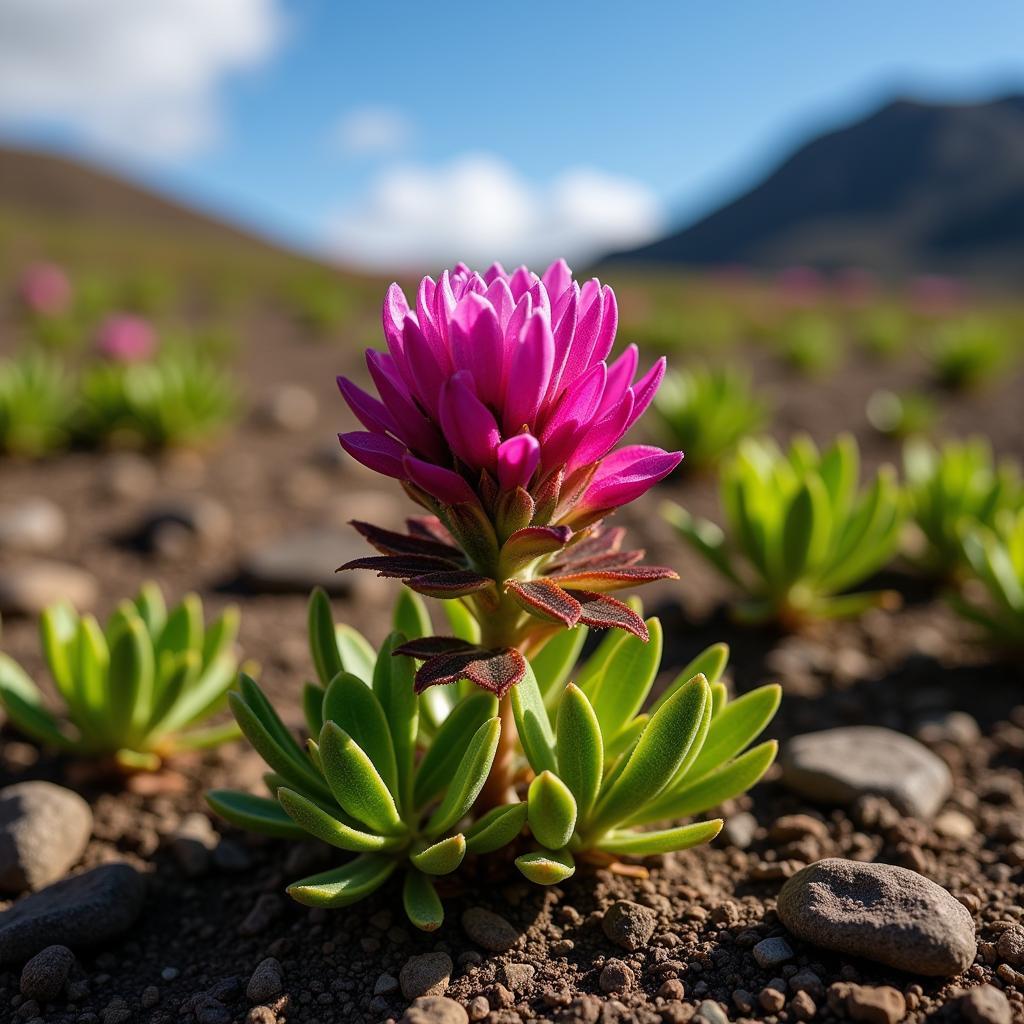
(810, 343)
(358, 784)
(605, 769)
(994, 597)
(35, 399)
(706, 412)
(949, 488)
(180, 398)
(966, 354)
(883, 330)
(901, 415)
(800, 533)
(138, 690)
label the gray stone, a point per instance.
(266, 981)
(172, 527)
(82, 910)
(434, 1010)
(386, 985)
(772, 952)
(840, 765)
(29, 588)
(710, 1012)
(489, 930)
(880, 912)
(739, 829)
(44, 829)
(426, 974)
(518, 976)
(300, 561)
(985, 1005)
(43, 978)
(288, 407)
(629, 925)
(36, 525)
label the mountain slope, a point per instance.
(914, 187)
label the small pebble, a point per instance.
(489, 930)
(772, 952)
(43, 978)
(434, 1010)
(985, 1004)
(426, 974)
(615, 977)
(629, 925)
(266, 981)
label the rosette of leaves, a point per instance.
(800, 532)
(994, 596)
(606, 770)
(358, 783)
(542, 579)
(36, 396)
(138, 690)
(707, 411)
(811, 343)
(965, 354)
(956, 486)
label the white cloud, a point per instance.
(136, 76)
(477, 208)
(373, 131)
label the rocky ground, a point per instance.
(147, 910)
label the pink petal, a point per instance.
(520, 282)
(628, 473)
(410, 424)
(557, 278)
(587, 326)
(518, 458)
(620, 376)
(371, 412)
(444, 484)
(604, 435)
(468, 425)
(378, 452)
(499, 295)
(427, 373)
(478, 346)
(646, 388)
(393, 316)
(609, 325)
(529, 373)
(495, 272)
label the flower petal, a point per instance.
(518, 458)
(444, 484)
(478, 345)
(468, 425)
(530, 370)
(370, 411)
(378, 452)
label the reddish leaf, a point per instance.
(389, 542)
(603, 612)
(546, 497)
(599, 541)
(514, 511)
(546, 600)
(433, 646)
(473, 532)
(614, 579)
(612, 560)
(398, 566)
(494, 670)
(449, 584)
(429, 528)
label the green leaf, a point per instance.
(313, 707)
(658, 754)
(352, 705)
(441, 760)
(626, 739)
(410, 617)
(181, 673)
(205, 694)
(130, 680)
(254, 813)
(356, 783)
(183, 630)
(551, 811)
(58, 626)
(710, 664)
(497, 828)
(393, 686)
(705, 537)
(323, 643)
(646, 844)
(579, 748)
(554, 662)
(221, 635)
(357, 654)
(23, 702)
(461, 620)
(533, 723)
(422, 905)
(317, 822)
(91, 664)
(468, 780)
(442, 857)
(546, 867)
(806, 529)
(151, 607)
(738, 724)
(341, 887)
(204, 739)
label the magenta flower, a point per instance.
(124, 338)
(45, 289)
(499, 411)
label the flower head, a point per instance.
(498, 409)
(45, 289)
(125, 338)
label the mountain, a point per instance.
(915, 187)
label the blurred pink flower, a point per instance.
(45, 289)
(501, 381)
(800, 286)
(934, 295)
(125, 338)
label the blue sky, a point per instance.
(363, 126)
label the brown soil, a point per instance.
(199, 939)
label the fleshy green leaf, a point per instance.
(442, 857)
(254, 813)
(393, 687)
(468, 780)
(464, 626)
(355, 782)
(710, 664)
(221, 634)
(579, 748)
(646, 844)
(551, 811)
(341, 887)
(422, 906)
(323, 643)
(357, 654)
(130, 680)
(533, 723)
(151, 607)
(497, 828)
(410, 617)
(354, 707)
(546, 867)
(313, 707)
(317, 822)
(554, 662)
(23, 702)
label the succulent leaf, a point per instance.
(497, 828)
(546, 867)
(551, 811)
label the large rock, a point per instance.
(43, 831)
(839, 765)
(81, 911)
(300, 561)
(879, 912)
(31, 524)
(28, 588)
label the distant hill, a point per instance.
(915, 187)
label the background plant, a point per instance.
(138, 690)
(35, 399)
(957, 486)
(358, 785)
(901, 415)
(705, 412)
(799, 531)
(967, 353)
